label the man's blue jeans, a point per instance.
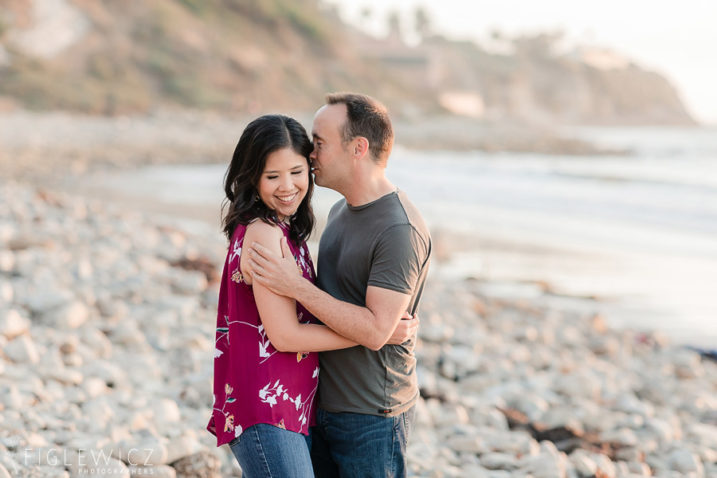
(264, 450)
(355, 445)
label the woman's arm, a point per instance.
(278, 313)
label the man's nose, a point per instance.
(312, 156)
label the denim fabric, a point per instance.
(267, 451)
(353, 445)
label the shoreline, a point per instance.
(499, 255)
(83, 143)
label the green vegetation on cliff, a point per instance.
(259, 55)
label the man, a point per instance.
(372, 264)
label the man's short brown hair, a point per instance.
(366, 117)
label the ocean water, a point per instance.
(638, 231)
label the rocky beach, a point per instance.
(107, 315)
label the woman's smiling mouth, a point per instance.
(287, 199)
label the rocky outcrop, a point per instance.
(532, 80)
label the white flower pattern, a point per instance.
(236, 250)
(270, 395)
(274, 392)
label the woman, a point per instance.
(265, 368)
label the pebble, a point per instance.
(468, 444)
(22, 350)
(622, 436)
(202, 464)
(98, 411)
(42, 300)
(543, 466)
(7, 293)
(65, 376)
(495, 460)
(584, 465)
(605, 466)
(12, 323)
(639, 468)
(661, 430)
(684, 461)
(71, 315)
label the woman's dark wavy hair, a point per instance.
(260, 138)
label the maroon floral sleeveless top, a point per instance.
(253, 382)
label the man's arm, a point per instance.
(371, 326)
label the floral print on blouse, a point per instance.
(253, 382)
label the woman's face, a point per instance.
(284, 182)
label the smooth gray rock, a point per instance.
(467, 444)
(13, 323)
(622, 436)
(7, 260)
(7, 293)
(69, 316)
(22, 350)
(583, 463)
(199, 465)
(498, 461)
(543, 466)
(147, 451)
(42, 300)
(684, 461)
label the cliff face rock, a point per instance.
(533, 81)
(113, 57)
(50, 26)
(108, 56)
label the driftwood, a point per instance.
(201, 264)
(565, 438)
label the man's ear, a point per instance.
(359, 147)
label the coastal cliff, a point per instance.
(100, 57)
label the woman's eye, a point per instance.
(272, 177)
(297, 172)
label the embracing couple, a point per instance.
(285, 409)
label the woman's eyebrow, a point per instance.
(275, 171)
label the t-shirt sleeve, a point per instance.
(398, 259)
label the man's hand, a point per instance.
(406, 329)
(279, 274)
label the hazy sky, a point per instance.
(676, 38)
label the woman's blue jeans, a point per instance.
(265, 451)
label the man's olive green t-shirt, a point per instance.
(386, 244)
